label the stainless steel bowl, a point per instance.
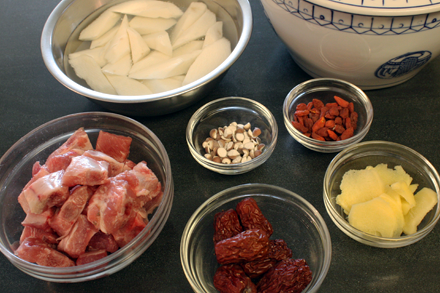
(70, 16)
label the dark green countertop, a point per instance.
(408, 114)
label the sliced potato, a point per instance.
(172, 67)
(197, 30)
(102, 24)
(194, 11)
(148, 8)
(210, 58)
(214, 33)
(159, 41)
(87, 68)
(425, 200)
(188, 48)
(151, 59)
(146, 25)
(105, 38)
(97, 54)
(119, 45)
(163, 85)
(120, 67)
(139, 48)
(126, 86)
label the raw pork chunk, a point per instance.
(77, 143)
(91, 256)
(46, 192)
(39, 221)
(37, 172)
(145, 185)
(103, 241)
(116, 146)
(37, 251)
(114, 168)
(67, 215)
(107, 207)
(84, 170)
(135, 224)
(47, 236)
(75, 243)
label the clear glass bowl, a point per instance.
(293, 219)
(16, 169)
(325, 89)
(372, 153)
(222, 112)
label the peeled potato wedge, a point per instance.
(126, 86)
(163, 85)
(151, 59)
(102, 24)
(159, 41)
(194, 11)
(119, 45)
(214, 33)
(139, 48)
(146, 25)
(87, 68)
(208, 60)
(197, 30)
(105, 38)
(120, 67)
(172, 67)
(148, 8)
(97, 54)
(188, 48)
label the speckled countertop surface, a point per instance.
(406, 114)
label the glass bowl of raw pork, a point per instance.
(83, 196)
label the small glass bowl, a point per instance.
(325, 89)
(372, 153)
(293, 219)
(16, 169)
(222, 112)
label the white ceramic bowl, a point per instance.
(372, 44)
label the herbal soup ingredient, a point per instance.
(233, 144)
(84, 203)
(330, 122)
(381, 201)
(248, 254)
(144, 47)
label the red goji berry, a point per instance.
(330, 124)
(344, 113)
(329, 105)
(333, 111)
(354, 119)
(351, 107)
(299, 126)
(318, 137)
(339, 128)
(347, 133)
(301, 113)
(347, 123)
(310, 106)
(338, 120)
(318, 124)
(318, 104)
(301, 106)
(332, 135)
(322, 132)
(341, 102)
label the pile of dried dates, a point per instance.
(250, 261)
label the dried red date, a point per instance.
(278, 250)
(232, 279)
(226, 225)
(246, 246)
(289, 275)
(251, 216)
(255, 269)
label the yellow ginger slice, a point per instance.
(425, 200)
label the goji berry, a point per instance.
(232, 279)
(322, 132)
(226, 225)
(299, 126)
(308, 123)
(333, 111)
(302, 112)
(347, 123)
(354, 119)
(318, 124)
(318, 104)
(289, 275)
(301, 106)
(246, 246)
(310, 106)
(343, 103)
(351, 107)
(347, 133)
(344, 113)
(339, 128)
(317, 137)
(332, 135)
(329, 105)
(251, 216)
(338, 120)
(330, 124)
